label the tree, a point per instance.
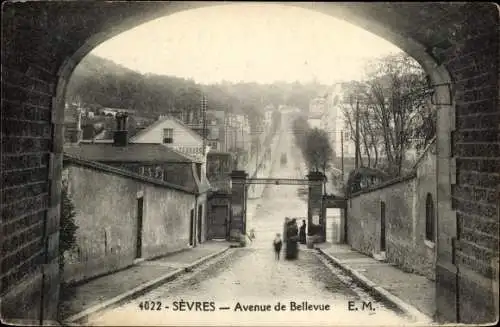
(394, 111)
(300, 129)
(68, 227)
(369, 135)
(318, 150)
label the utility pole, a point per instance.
(234, 132)
(226, 131)
(257, 154)
(204, 117)
(357, 135)
(342, 154)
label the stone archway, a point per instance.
(456, 43)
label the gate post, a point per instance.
(315, 214)
(237, 223)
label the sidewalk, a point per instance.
(96, 294)
(414, 294)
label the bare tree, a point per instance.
(395, 114)
(369, 136)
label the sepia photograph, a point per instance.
(250, 163)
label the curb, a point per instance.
(379, 291)
(139, 290)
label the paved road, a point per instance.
(252, 276)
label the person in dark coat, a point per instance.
(291, 241)
(302, 233)
(285, 229)
(277, 243)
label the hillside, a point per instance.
(99, 82)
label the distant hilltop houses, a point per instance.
(114, 111)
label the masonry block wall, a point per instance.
(30, 158)
(472, 61)
(405, 213)
(106, 205)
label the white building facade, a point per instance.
(173, 133)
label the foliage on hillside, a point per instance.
(99, 82)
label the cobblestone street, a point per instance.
(252, 276)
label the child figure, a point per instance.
(277, 246)
(251, 235)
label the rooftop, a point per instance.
(133, 152)
(159, 121)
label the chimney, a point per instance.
(120, 135)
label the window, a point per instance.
(168, 135)
(429, 218)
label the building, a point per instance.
(220, 166)
(152, 160)
(149, 160)
(268, 117)
(114, 111)
(316, 111)
(132, 201)
(332, 120)
(238, 134)
(316, 106)
(213, 131)
(173, 133)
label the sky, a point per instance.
(256, 42)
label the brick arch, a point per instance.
(456, 44)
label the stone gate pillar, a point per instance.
(237, 223)
(315, 214)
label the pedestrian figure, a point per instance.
(277, 243)
(251, 235)
(302, 232)
(285, 229)
(294, 228)
(291, 240)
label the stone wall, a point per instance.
(106, 203)
(405, 217)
